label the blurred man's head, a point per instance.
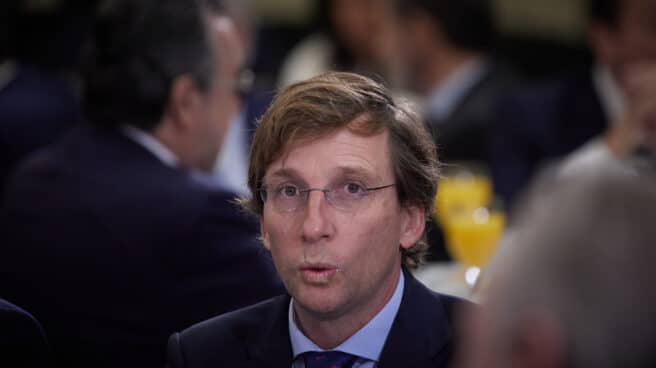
(356, 24)
(622, 33)
(577, 287)
(168, 68)
(437, 32)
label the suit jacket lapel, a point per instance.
(421, 329)
(271, 346)
(420, 332)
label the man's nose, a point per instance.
(316, 223)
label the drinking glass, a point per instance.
(473, 221)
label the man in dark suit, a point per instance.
(23, 343)
(343, 180)
(448, 63)
(112, 238)
(539, 124)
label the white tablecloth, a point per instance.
(446, 278)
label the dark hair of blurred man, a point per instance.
(112, 237)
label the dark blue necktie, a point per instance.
(329, 359)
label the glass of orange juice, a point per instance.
(472, 220)
(462, 192)
(472, 237)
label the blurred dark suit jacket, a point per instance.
(465, 134)
(36, 108)
(113, 251)
(23, 343)
(539, 124)
(422, 335)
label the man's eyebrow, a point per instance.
(356, 171)
(283, 173)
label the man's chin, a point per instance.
(321, 304)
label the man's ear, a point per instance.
(265, 236)
(413, 222)
(538, 343)
(185, 100)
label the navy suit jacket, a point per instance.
(113, 251)
(539, 124)
(36, 108)
(23, 343)
(464, 135)
(422, 335)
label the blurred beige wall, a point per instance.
(292, 12)
(558, 20)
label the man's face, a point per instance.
(335, 262)
(633, 39)
(418, 34)
(220, 103)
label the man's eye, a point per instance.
(288, 191)
(354, 188)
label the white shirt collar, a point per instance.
(151, 144)
(367, 342)
(612, 99)
(231, 168)
(447, 94)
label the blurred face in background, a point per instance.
(631, 41)
(419, 35)
(363, 26)
(220, 102)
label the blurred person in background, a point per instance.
(575, 288)
(355, 35)
(628, 143)
(538, 124)
(446, 47)
(447, 60)
(39, 60)
(231, 171)
(112, 237)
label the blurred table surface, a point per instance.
(446, 278)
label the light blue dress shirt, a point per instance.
(151, 144)
(446, 96)
(367, 343)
